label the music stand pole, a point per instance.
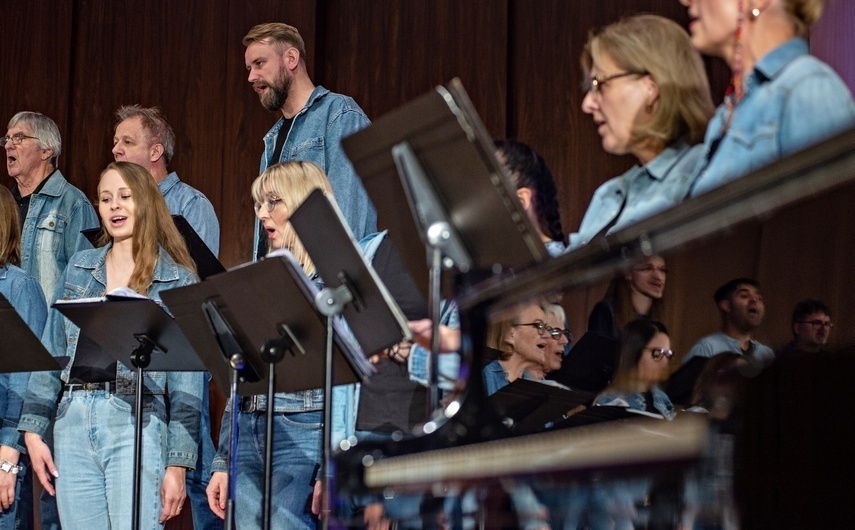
(434, 309)
(140, 359)
(237, 363)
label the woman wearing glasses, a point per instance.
(643, 364)
(93, 420)
(649, 97)
(780, 100)
(522, 339)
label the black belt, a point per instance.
(250, 404)
(106, 386)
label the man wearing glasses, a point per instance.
(52, 213)
(811, 328)
(740, 305)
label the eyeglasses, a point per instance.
(16, 138)
(818, 323)
(269, 203)
(658, 353)
(596, 83)
(556, 333)
(537, 324)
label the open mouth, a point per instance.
(118, 219)
(259, 88)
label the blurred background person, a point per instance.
(649, 97)
(811, 327)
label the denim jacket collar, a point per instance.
(168, 182)
(166, 270)
(660, 167)
(317, 94)
(55, 185)
(770, 65)
(4, 271)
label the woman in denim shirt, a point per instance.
(781, 99)
(649, 97)
(94, 427)
(25, 295)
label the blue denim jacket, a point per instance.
(636, 401)
(495, 378)
(85, 277)
(315, 136)
(25, 295)
(185, 200)
(791, 101)
(51, 233)
(646, 190)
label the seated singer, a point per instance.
(91, 469)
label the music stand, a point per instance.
(353, 289)
(136, 332)
(19, 338)
(531, 405)
(244, 309)
(435, 155)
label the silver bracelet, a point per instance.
(9, 467)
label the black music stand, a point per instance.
(261, 311)
(353, 290)
(20, 349)
(137, 332)
(531, 405)
(435, 155)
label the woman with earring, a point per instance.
(90, 471)
(780, 100)
(648, 95)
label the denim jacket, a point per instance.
(636, 401)
(85, 277)
(315, 136)
(185, 200)
(25, 295)
(791, 101)
(51, 233)
(642, 192)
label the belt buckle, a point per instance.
(249, 404)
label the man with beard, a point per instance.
(52, 213)
(313, 122)
(811, 328)
(144, 137)
(740, 304)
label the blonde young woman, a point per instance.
(91, 470)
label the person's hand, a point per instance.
(41, 461)
(9, 479)
(218, 493)
(318, 498)
(449, 338)
(172, 492)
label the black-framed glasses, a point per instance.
(818, 323)
(556, 334)
(540, 326)
(596, 83)
(16, 138)
(269, 203)
(658, 353)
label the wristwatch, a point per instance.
(9, 467)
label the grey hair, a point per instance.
(44, 129)
(154, 122)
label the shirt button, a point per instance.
(126, 383)
(51, 224)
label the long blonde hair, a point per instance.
(291, 182)
(153, 226)
(10, 231)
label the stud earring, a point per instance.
(755, 12)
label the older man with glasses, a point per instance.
(52, 214)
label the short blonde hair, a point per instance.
(278, 34)
(804, 14)
(659, 47)
(292, 182)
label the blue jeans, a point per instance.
(94, 441)
(197, 479)
(296, 460)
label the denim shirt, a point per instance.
(25, 295)
(51, 233)
(315, 136)
(642, 191)
(636, 401)
(86, 277)
(720, 342)
(495, 378)
(791, 101)
(185, 200)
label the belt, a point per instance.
(250, 404)
(90, 386)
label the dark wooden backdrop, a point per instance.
(79, 60)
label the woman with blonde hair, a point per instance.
(781, 99)
(94, 426)
(25, 295)
(649, 97)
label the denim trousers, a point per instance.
(94, 452)
(198, 479)
(296, 459)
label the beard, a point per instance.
(277, 92)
